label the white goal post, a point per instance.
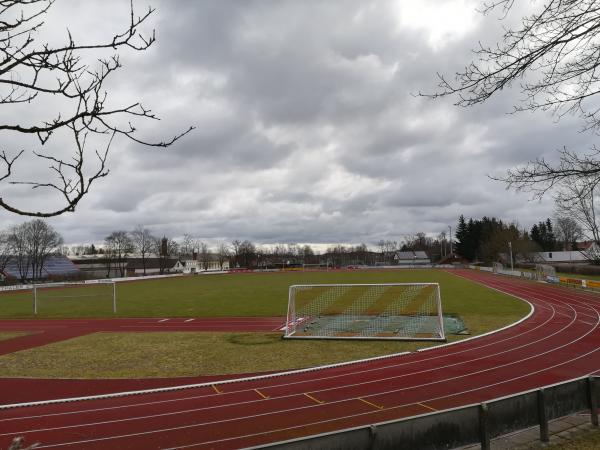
(75, 292)
(402, 311)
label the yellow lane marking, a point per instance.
(427, 407)
(369, 403)
(313, 398)
(216, 389)
(261, 394)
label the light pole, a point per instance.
(450, 238)
(511, 258)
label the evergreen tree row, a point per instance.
(487, 239)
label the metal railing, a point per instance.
(472, 424)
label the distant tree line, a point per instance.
(487, 239)
(27, 246)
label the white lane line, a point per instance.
(267, 377)
(377, 381)
(295, 383)
(143, 433)
(322, 378)
(188, 320)
(162, 320)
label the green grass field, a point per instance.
(255, 294)
(181, 354)
(135, 355)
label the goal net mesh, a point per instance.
(81, 298)
(407, 311)
(543, 271)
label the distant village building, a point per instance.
(153, 266)
(189, 266)
(412, 258)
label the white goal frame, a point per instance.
(292, 319)
(74, 284)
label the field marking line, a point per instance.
(314, 399)
(307, 370)
(216, 389)
(162, 320)
(188, 320)
(369, 403)
(261, 394)
(427, 407)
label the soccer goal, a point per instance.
(75, 297)
(404, 311)
(543, 271)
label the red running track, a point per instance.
(558, 342)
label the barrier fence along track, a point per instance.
(471, 424)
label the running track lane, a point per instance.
(559, 341)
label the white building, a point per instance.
(195, 266)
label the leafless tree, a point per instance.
(246, 252)
(32, 242)
(222, 253)
(577, 200)
(31, 72)
(568, 231)
(143, 242)
(189, 245)
(118, 247)
(553, 55)
(6, 249)
(235, 246)
(18, 243)
(204, 254)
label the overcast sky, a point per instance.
(308, 129)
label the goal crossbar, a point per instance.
(401, 311)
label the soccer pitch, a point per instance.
(168, 354)
(254, 294)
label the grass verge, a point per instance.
(139, 355)
(587, 441)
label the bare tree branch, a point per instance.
(26, 73)
(554, 57)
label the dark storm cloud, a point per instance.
(308, 129)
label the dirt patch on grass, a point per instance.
(6, 335)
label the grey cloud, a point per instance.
(308, 129)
